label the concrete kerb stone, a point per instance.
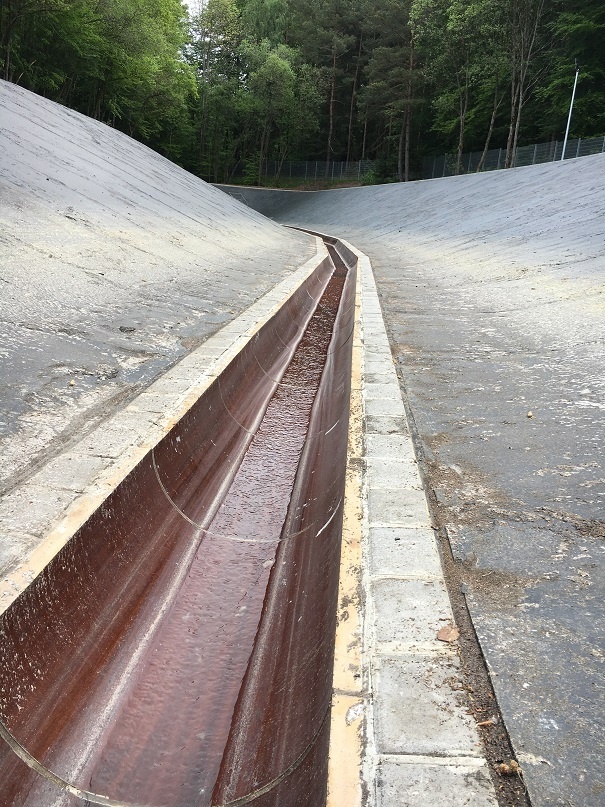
(417, 710)
(38, 518)
(419, 781)
(420, 746)
(403, 551)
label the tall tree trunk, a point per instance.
(513, 122)
(408, 115)
(408, 139)
(490, 131)
(365, 138)
(331, 126)
(527, 17)
(262, 154)
(353, 98)
(202, 138)
(400, 167)
(204, 111)
(517, 124)
(463, 112)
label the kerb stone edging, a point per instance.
(409, 731)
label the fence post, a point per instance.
(470, 157)
(341, 165)
(499, 159)
(533, 160)
(315, 169)
(306, 169)
(578, 148)
(444, 164)
(359, 168)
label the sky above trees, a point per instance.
(224, 86)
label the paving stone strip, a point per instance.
(421, 746)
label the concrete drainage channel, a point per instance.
(171, 641)
(177, 648)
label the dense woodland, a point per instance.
(245, 81)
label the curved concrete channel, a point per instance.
(178, 649)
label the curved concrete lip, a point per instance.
(53, 504)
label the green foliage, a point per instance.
(370, 178)
(579, 33)
(246, 82)
(116, 60)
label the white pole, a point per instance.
(573, 95)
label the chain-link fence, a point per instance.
(445, 165)
(309, 170)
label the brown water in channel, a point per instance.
(159, 711)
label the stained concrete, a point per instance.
(493, 291)
(115, 263)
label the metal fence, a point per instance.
(312, 169)
(445, 165)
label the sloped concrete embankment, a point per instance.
(115, 263)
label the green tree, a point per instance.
(466, 48)
(392, 75)
(526, 40)
(285, 96)
(214, 54)
(116, 60)
(265, 20)
(579, 33)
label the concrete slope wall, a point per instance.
(114, 264)
(554, 205)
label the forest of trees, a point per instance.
(245, 81)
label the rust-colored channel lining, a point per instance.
(178, 650)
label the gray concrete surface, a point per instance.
(493, 291)
(418, 732)
(114, 263)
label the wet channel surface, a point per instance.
(153, 721)
(195, 665)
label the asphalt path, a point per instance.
(493, 290)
